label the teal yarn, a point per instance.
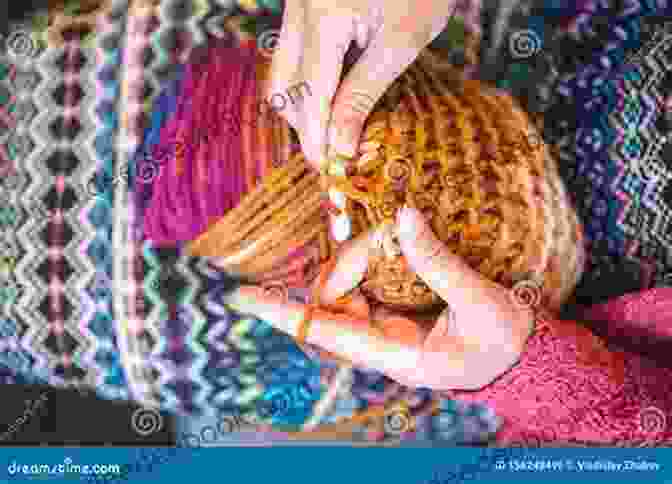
(288, 404)
(292, 385)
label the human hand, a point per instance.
(314, 39)
(478, 337)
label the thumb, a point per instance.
(388, 55)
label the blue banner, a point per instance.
(336, 464)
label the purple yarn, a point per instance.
(207, 123)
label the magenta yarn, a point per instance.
(207, 122)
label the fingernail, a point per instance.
(343, 140)
(341, 228)
(407, 221)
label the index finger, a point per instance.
(444, 272)
(486, 313)
(340, 334)
(326, 42)
(389, 350)
(351, 266)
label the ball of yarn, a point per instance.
(469, 158)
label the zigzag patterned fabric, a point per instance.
(50, 330)
(600, 75)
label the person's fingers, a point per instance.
(339, 334)
(445, 334)
(486, 316)
(287, 55)
(447, 360)
(355, 304)
(396, 327)
(399, 328)
(288, 52)
(444, 272)
(389, 346)
(326, 41)
(363, 33)
(352, 263)
(445, 352)
(480, 364)
(392, 47)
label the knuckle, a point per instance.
(354, 106)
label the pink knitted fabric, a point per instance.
(640, 322)
(651, 310)
(570, 388)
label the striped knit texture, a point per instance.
(59, 327)
(600, 78)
